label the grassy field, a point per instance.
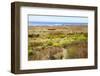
(57, 42)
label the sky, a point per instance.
(40, 20)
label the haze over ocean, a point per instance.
(39, 20)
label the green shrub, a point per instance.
(49, 43)
(56, 44)
(30, 53)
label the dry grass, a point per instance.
(56, 42)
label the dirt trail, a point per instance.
(65, 53)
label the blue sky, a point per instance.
(48, 20)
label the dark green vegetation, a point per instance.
(58, 42)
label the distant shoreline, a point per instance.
(55, 24)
